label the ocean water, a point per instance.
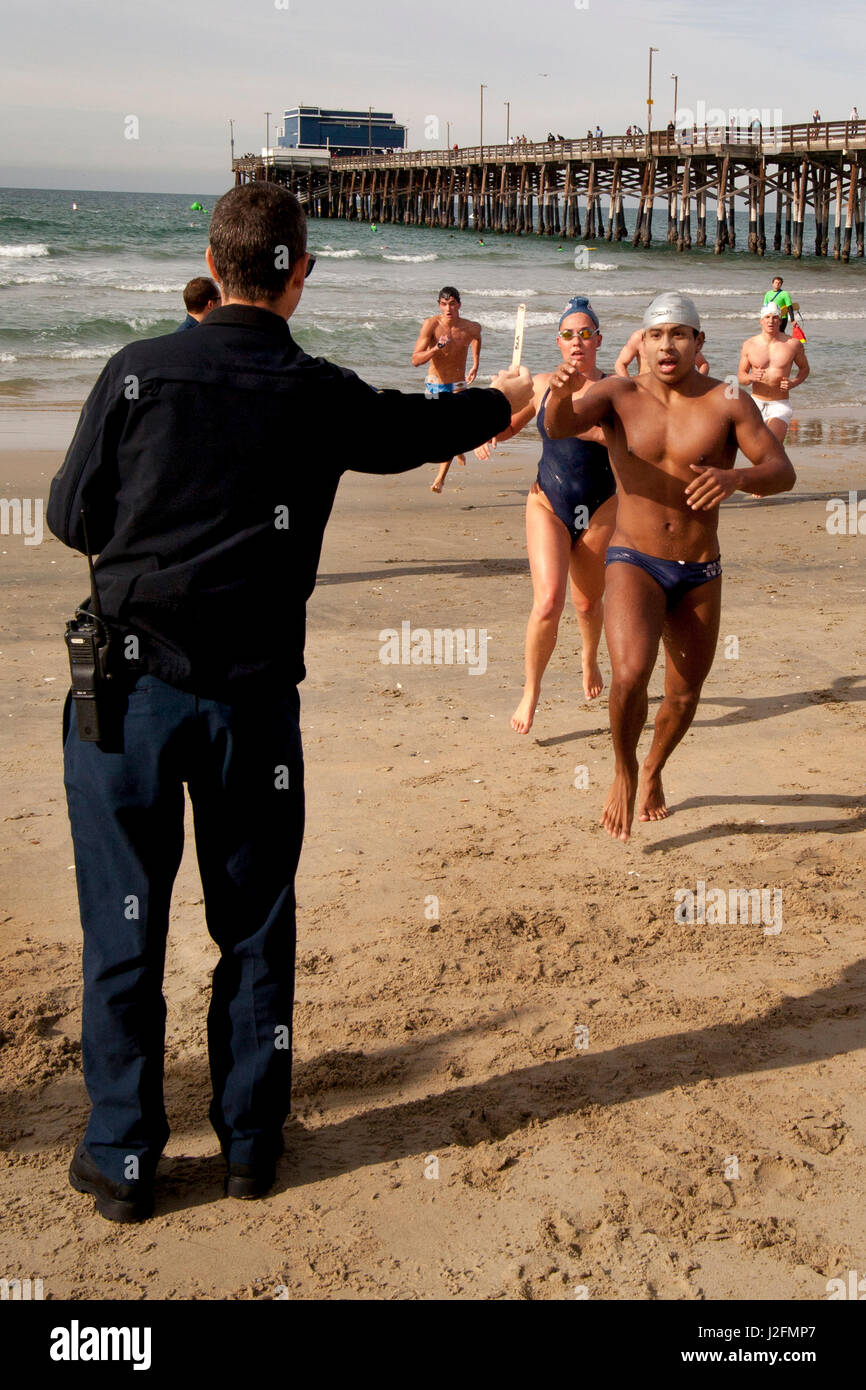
(77, 286)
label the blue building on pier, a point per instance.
(342, 132)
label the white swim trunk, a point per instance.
(775, 410)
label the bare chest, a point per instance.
(772, 354)
(671, 440)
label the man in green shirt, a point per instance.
(781, 297)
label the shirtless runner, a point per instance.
(672, 436)
(632, 350)
(765, 365)
(443, 345)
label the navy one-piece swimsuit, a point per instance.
(575, 476)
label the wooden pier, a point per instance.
(578, 188)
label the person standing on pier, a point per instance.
(765, 364)
(443, 345)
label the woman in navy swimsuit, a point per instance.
(570, 514)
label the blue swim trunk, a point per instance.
(676, 577)
(432, 389)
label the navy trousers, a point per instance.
(243, 766)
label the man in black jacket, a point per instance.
(200, 298)
(203, 469)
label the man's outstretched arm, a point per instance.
(394, 431)
(562, 419)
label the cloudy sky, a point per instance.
(73, 72)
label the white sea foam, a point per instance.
(500, 294)
(30, 248)
(393, 315)
(726, 291)
(602, 265)
(339, 255)
(432, 256)
(502, 319)
(809, 318)
(623, 294)
(148, 287)
(50, 278)
(729, 290)
(73, 354)
(8, 357)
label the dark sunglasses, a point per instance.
(583, 333)
(311, 261)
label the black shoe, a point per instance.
(248, 1180)
(116, 1201)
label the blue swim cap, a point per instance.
(579, 305)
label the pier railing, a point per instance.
(807, 137)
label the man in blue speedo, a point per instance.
(442, 346)
(672, 436)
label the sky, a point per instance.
(74, 73)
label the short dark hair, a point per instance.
(448, 292)
(199, 293)
(258, 232)
(779, 278)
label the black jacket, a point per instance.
(207, 464)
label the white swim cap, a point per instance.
(771, 308)
(671, 307)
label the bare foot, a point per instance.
(435, 487)
(593, 681)
(461, 458)
(521, 719)
(652, 800)
(619, 807)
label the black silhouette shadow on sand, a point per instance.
(826, 1023)
(747, 709)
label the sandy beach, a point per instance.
(518, 1076)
